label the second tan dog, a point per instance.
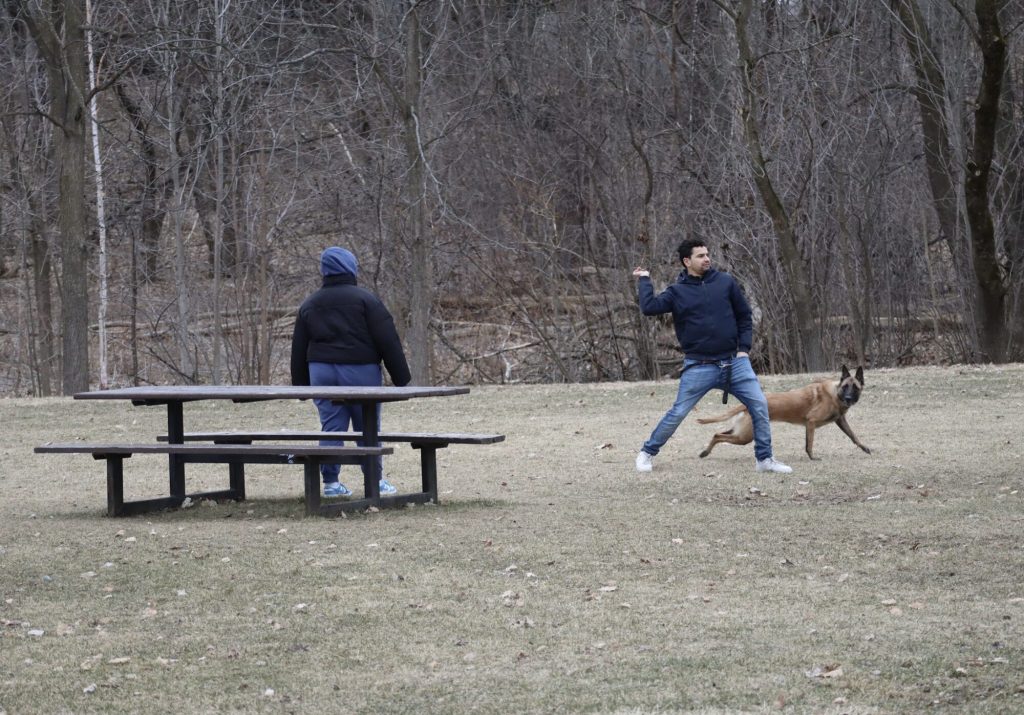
(812, 406)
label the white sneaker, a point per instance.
(644, 461)
(768, 464)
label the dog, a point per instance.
(812, 406)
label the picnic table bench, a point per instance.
(237, 449)
(234, 455)
(427, 444)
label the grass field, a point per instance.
(552, 578)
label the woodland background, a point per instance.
(171, 169)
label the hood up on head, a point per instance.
(338, 261)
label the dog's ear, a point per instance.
(860, 374)
(845, 374)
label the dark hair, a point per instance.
(687, 246)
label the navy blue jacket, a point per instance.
(343, 323)
(712, 318)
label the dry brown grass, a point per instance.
(553, 578)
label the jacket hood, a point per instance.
(709, 275)
(338, 261)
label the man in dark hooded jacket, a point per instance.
(342, 334)
(714, 328)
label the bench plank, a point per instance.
(213, 449)
(444, 438)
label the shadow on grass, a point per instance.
(282, 508)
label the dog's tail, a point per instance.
(728, 414)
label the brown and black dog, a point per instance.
(813, 406)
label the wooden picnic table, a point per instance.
(236, 449)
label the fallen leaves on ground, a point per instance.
(825, 671)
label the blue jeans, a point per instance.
(335, 417)
(697, 381)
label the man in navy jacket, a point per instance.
(714, 327)
(342, 333)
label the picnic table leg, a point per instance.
(115, 484)
(236, 470)
(371, 438)
(428, 466)
(236, 480)
(176, 435)
(311, 475)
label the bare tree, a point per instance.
(500, 167)
(406, 93)
(808, 318)
(991, 308)
(181, 179)
(101, 220)
(43, 356)
(988, 290)
(56, 27)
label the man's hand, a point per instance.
(742, 354)
(639, 272)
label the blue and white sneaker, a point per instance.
(336, 489)
(387, 488)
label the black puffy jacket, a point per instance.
(711, 315)
(345, 324)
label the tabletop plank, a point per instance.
(248, 393)
(211, 449)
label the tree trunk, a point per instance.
(218, 167)
(990, 307)
(186, 367)
(930, 92)
(421, 259)
(101, 221)
(41, 338)
(1008, 200)
(154, 190)
(41, 279)
(807, 318)
(211, 204)
(58, 32)
(988, 302)
(265, 329)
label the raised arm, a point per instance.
(649, 303)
